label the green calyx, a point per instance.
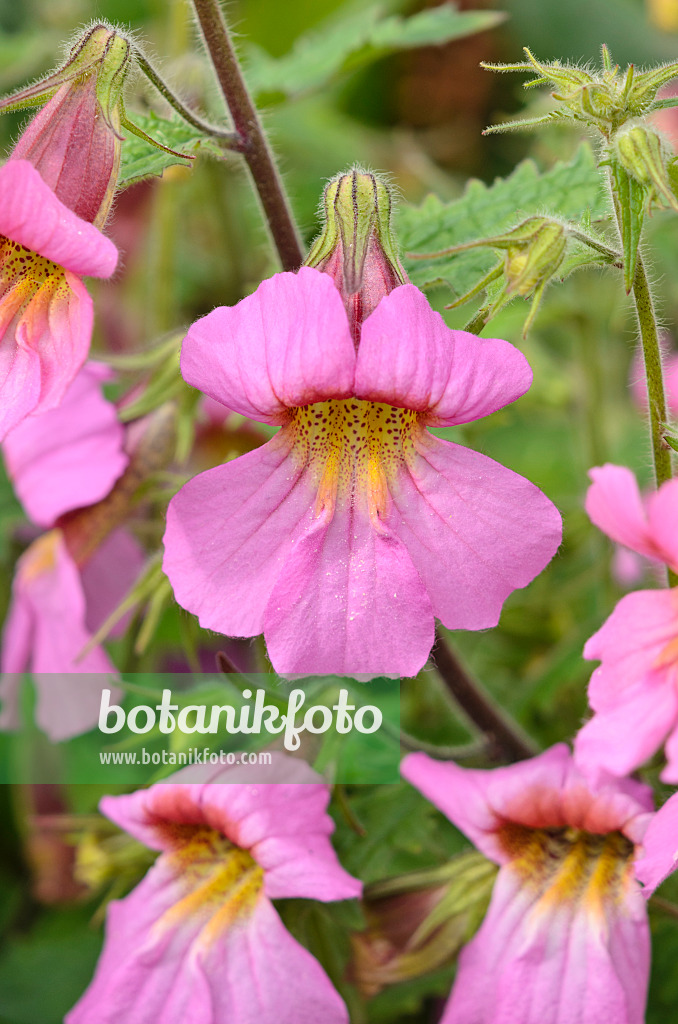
(643, 154)
(604, 99)
(107, 54)
(357, 210)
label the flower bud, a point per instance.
(419, 922)
(74, 141)
(356, 246)
(644, 155)
(534, 251)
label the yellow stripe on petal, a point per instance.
(352, 448)
(219, 882)
(569, 866)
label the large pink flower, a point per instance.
(45, 311)
(342, 537)
(198, 941)
(634, 692)
(566, 938)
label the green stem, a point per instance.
(642, 298)
(231, 139)
(255, 149)
(505, 738)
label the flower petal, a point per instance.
(163, 970)
(409, 357)
(228, 533)
(31, 214)
(662, 509)
(557, 962)
(284, 827)
(659, 857)
(631, 642)
(288, 344)
(614, 505)
(474, 530)
(47, 618)
(612, 740)
(478, 802)
(348, 602)
(42, 353)
(68, 457)
(107, 576)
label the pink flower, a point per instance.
(566, 936)
(670, 367)
(71, 456)
(198, 941)
(634, 692)
(56, 608)
(342, 537)
(659, 856)
(45, 313)
(57, 185)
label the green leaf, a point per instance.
(140, 160)
(568, 190)
(44, 972)
(351, 40)
(631, 198)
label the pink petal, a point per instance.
(31, 214)
(228, 533)
(40, 356)
(285, 827)
(288, 344)
(68, 457)
(544, 792)
(172, 971)
(553, 962)
(670, 772)
(409, 357)
(47, 619)
(348, 601)
(614, 505)
(108, 575)
(662, 509)
(612, 740)
(659, 857)
(474, 530)
(631, 643)
(478, 801)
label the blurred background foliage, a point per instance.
(337, 91)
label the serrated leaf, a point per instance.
(354, 39)
(631, 199)
(141, 160)
(568, 190)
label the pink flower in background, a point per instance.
(199, 940)
(65, 459)
(634, 692)
(670, 367)
(566, 935)
(56, 608)
(342, 537)
(45, 311)
(72, 456)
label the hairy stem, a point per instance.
(505, 738)
(255, 148)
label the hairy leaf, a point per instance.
(350, 40)
(141, 160)
(568, 190)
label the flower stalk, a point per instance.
(255, 148)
